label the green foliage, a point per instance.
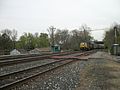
(6, 42)
(43, 40)
(7, 39)
(110, 36)
(30, 41)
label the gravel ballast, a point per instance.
(100, 72)
(18, 67)
(65, 78)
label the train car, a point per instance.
(86, 46)
(90, 45)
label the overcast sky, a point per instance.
(37, 15)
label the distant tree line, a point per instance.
(29, 41)
(110, 37)
(69, 39)
(65, 38)
(7, 40)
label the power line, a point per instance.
(103, 29)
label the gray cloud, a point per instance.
(38, 15)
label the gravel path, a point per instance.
(93, 76)
(100, 74)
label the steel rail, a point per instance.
(30, 59)
(6, 86)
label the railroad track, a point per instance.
(8, 57)
(18, 77)
(10, 61)
(12, 79)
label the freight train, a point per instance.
(90, 46)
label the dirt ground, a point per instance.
(101, 73)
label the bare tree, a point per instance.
(76, 37)
(51, 31)
(7, 32)
(86, 32)
(61, 38)
(14, 37)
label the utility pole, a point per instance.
(84, 34)
(115, 28)
(115, 48)
(52, 35)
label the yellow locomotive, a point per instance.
(86, 46)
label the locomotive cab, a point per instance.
(86, 46)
